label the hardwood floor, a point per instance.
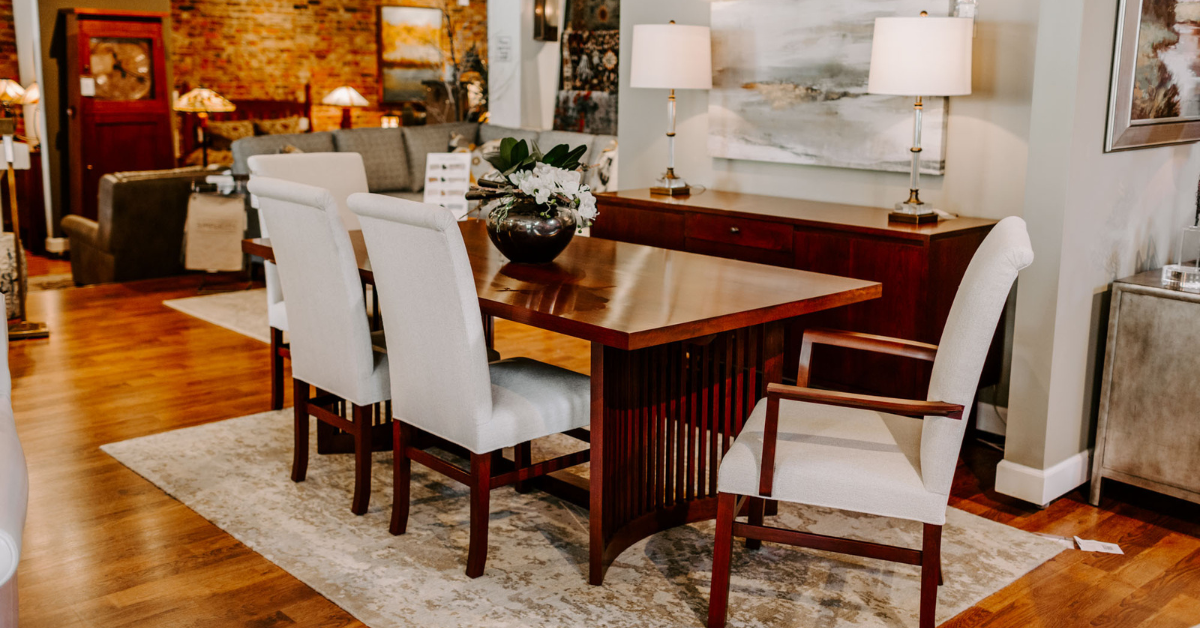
(103, 547)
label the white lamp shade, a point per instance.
(921, 56)
(345, 96)
(33, 94)
(671, 56)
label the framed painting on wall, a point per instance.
(410, 51)
(790, 86)
(1155, 94)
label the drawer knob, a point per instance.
(734, 230)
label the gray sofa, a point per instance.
(395, 158)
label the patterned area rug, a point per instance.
(235, 473)
(60, 281)
(242, 311)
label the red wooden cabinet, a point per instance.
(118, 101)
(920, 268)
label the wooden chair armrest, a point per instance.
(776, 392)
(862, 342)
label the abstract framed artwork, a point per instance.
(1155, 94)
(790, 86)
(409, 41)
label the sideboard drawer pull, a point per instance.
(758, 234)
(734, 230)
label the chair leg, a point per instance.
(481, 473)
(401, 477)
(718, 597)
(522, 457)
(300, 411)
(758, 507)
(931, 562)
(276, 369)
(362, 459)
(941, 574)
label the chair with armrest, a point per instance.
(442, 382)
(342, 174)
(332, 346)
(872, 455)
(14, 496)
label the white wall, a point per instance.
(987, 144)
(1093, 218)
(521, 88)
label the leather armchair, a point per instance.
(14, 496)
(139, 230)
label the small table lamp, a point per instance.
(345, 97)
(671, 56)
(11, 94)
(920, 56)
(202, 102)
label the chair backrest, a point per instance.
(965, 342)
(342, 174)
(327, 315)
(431, 316)
(14, 484)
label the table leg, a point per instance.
(661, 419)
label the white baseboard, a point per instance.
(57, 245)
(1042, 486)
(991, 419)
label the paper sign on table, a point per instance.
(447, 181)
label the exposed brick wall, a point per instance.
(8, 43)
(269, 49)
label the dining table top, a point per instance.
(630, 296)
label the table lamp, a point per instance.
(671, 56)
(33, 95)
(920, 56)
(11, 94)
(345, 97)
(202, 102)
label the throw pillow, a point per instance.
(602, 176)
(281, 126)
(215, 158)
(289, 149)
(223, 133)
(479, 165)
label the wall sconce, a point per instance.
(545, 20)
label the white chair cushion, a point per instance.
(857, 460)
(530, 400)
(277, 315)
(8, 557)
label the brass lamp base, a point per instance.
(25, 330)
(913, 211)
(671, 185)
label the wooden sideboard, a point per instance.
(920, 268)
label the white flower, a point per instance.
(587, 207)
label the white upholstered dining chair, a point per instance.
(442, 382)
(14, 496)
(331, 340)
(342, 174)
(872, 455)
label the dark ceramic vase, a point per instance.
(526, 236)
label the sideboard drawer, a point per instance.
(740, 232)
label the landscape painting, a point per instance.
(1156, 75)
(790, 86)
(410, 51)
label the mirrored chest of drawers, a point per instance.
(1149, 429)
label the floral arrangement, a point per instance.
(551, 180)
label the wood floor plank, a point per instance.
(104, 548)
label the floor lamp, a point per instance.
(202, 102)
(17, 155)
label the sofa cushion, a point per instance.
(244, 148)
(223, 133)
(549, 139)
(383, 155)
(435, 138)
(492, 132)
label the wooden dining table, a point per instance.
(682, 347)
